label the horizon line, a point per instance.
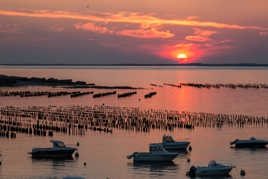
(138, 64)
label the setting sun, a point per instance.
(182, 56)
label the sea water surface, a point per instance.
(105, 154)
(224, 100)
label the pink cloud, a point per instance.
(148, 26)
(263, 33)
(200, 35)
(57, 29)
(9, 28)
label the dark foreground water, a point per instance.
(105, 155)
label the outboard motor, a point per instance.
(131, 156)
(231, 143)
(191, 172)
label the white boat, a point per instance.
(213, 169)
(59, 150)
(251, 143)
(171, 145)
(157, 154)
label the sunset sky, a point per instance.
(133, 31)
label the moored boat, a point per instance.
(251, 143)
(157, 153)
(59, 150)
(213, 169)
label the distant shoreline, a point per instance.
(189, 64)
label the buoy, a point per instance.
(77, 144)
(85, 163)
(242, 172)
(190, 148)
(188, 160)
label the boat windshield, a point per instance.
(252, 138)
(156, 148)
(168, 139)
(212, 163)
(58, 144)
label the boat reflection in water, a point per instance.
(157, 169)
(53, 166)
(58, 167)
(55, 163)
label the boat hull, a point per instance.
(53, 154)
(148, 157)
(250, 145)
(176, 146)
(213, 171)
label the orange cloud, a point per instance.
(200, 35)
(146, 33)
(92, 27)
(192, 18)
(52, 15)
(205, 33)
(123, 17)
(196, 38)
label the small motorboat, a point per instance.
(213, 169)
(171, 145)
(251, 143)
(59, 150)
(157, 153)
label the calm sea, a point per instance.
(224, 100)
(105, 154)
